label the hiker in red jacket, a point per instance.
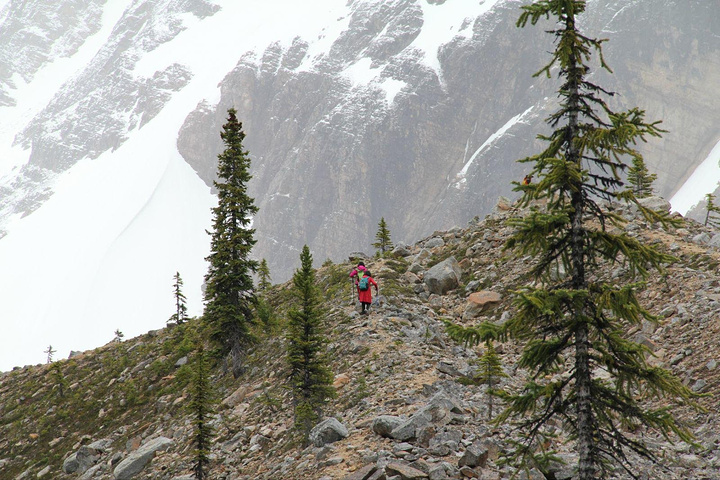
(356, 272)
(365, 296)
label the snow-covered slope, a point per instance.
(415, 110)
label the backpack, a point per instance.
(363, 284)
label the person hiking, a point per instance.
(360, 268)
(365, 280)
(354, 278)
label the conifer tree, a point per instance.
(310, 376)
(201, 409)
(263, 276)
(59, 379)
(50, 352)
(572, 321)
(230, 293)
(640, 179)
(118, 336)
(383, 243)
(712, 211)
(180, 315)
(490, 373)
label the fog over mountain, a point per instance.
(411, 110)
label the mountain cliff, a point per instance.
(404, 410)
(411, 110)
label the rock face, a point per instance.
(440, 120)
(136, 461)
(428, 140)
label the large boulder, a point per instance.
(137, 460)
(658, 204)
(385, 424)
(478, 302)
(443, 277)
(327, 431)
(85, 457)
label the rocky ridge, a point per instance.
(401, 413)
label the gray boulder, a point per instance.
(475, 456)
(137, 460)
(435, 242)
(80, 461)
(327, 431)
(401, 250)
(658, 204)
(385, 424)
(443, 277)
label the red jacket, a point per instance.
(364, 296)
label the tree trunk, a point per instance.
(583, 378)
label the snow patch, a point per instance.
(443, 22)
(704, 180)
(508, 125)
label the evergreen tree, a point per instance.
(574, 322)
(201, 409)
(712, 211)
(310, 376)
(118, 336)
(50, 352)
(263, 276)
(180, 315)
(230, 293)
(383, 243)
(490, 373)
(640, 179)
(59, 379)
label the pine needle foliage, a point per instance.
(383, 243)
(201, 409)
(640, 179)
(310, 376)
(571, 321)
(230, 293)
(263, 272)
(180, 315)
(490, 374)
(712, 211)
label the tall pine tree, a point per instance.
(201, 409)
(263, 272)
(180, 315)
(230, 293)
(383, 243)
(310, 376)
(571, 318)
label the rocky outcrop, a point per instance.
(135, 462)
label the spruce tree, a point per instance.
(490, 373)
(712, 211)
(640, 179)
(118, 336)
(50, 352)
(230, 293)
(201, 409)
(383, 243)
(263, 272)
(310, 376)
(572, 320)
(58, 379)
(180, 315)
